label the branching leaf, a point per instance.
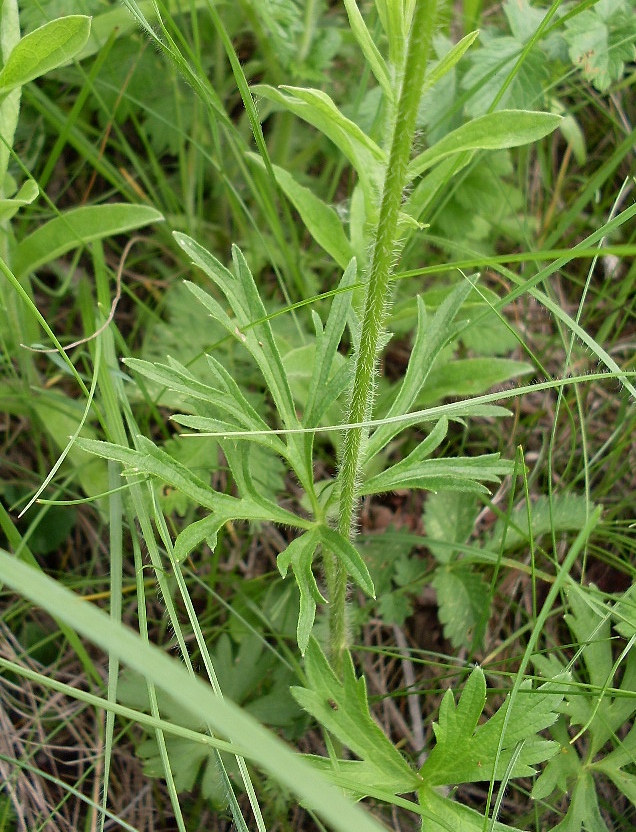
(465, 752)
(349, 555)
(342, 708)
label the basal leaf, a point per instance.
(454, 816)
(78, 227)
(52, 45)
(449, 518)
(465, 752)
(463, 600)
(343, 709)
(493, 131)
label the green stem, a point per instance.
(375, 306)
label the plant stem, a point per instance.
(375, 306)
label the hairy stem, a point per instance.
(375, 305)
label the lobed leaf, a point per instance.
(343, 709)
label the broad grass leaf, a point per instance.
(493, 131)
(343, 709)
(192, 694)
(76, 228)
(46, 48)
(465, 752)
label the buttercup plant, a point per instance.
(398, 186)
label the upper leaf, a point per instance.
(493, 131)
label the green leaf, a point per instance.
(465, 752)
(564, 512)
(250, 325)
(25, 196)
(490, 69)
(463, 600)
(448, 473)
(493, 131)
(454, 816)
(601, 40)
(343, 709)
(370, 50)
(430, 338)
(52, 45)
(469, 377)
(77, 228)
(320, 219)
(450, 518)
(299, 554)
(193, 695)
(317, 108)
(338, 545)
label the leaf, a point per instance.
(77, 228)
(52, 45)
(431, 337)
(470, 377)
(342, 708)
(250, 326)
(493, 131)
(25, 196)
(369, 49)
(320, 219)
(447, 473)
(448, 517)
(299, 555)
(565, 512)
(463, 599)
(601, 40)
(490, 69)
(345, 551)
(454, 816)
(317, 108)
(465, 752)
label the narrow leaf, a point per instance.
(370, 50)
(349, 555)
(494, 131)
